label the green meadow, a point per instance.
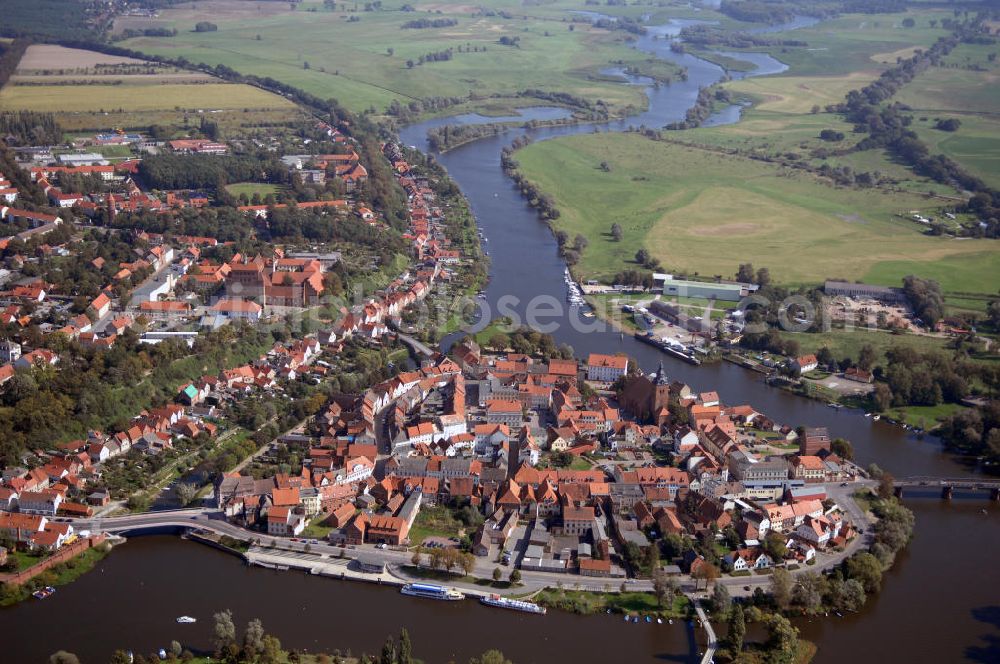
(704, 213)
(361, 58)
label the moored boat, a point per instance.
(514, 604)
(186, 620)
(431, 591)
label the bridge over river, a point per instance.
(947, 485)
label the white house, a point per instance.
(606, 368)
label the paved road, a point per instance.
(211, 519)
(415, 345)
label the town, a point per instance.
(272, 352)
(539, 464)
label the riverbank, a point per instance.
(57, 570)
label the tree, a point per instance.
(497, 574)
(809, 592)
(580, 243)
(783, 644)
(253, 638)
(886, 486)
(737, 629)
(881, 397)
(662, 588)
(467, 562)
(224, 632)
(745, 273)
(706, 572)
(185, 493)
(515, 576)
(417, 557)
(63, 657)
(405, 652)
(490, 657)
(272, 650)
(866, 569)
(388, 652)
(721, 599)
(774, 546)
(867, 357)
(642, 257)
(781, 587)
(842, 448)
(390, 51)
(616, 232)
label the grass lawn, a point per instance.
(346, 54)
(925, 417)
(437, 521)
(251, 188)
(317, 531)
(594, 602)
(848, 343)
(704, 213)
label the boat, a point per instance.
(659, 621)
(649, 619)
(677, 351)
(431, 591)
(514, 604)
(626, 619)
(162, 653)
(43, 593)
(131, 656)
(671, 621)
(876, 418)
(186, 620)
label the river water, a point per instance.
(939, 604)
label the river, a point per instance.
(939, 604)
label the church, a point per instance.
(647, 397)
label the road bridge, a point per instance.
(947, 485)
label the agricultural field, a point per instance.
(361, 58)
(90, 91)
(701, 212)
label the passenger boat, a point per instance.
(186, 620)
(431, 592)
(515, 604)
(43, 593)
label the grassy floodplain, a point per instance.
(704, 213)
(966, 88)
(348, 52)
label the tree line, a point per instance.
(424, 23)
(887, 126)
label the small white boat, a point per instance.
(876, 417)
(671, 621)
(659, 621)
(187, 620)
